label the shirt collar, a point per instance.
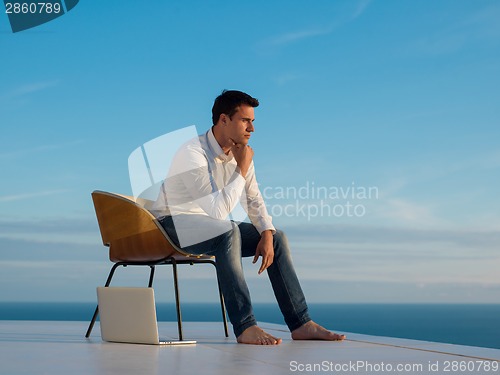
(214, 145)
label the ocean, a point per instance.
(464, 324)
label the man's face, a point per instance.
(240, 126)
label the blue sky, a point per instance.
(401, 96)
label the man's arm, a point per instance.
(259, 217)
(254, 204)
(243, 154)
(190, 171)
(265, 249)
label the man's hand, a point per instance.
(243, 155)
(265, 249)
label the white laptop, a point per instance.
(129, 315)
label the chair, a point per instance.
(136, 238)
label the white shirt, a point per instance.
(203, 180)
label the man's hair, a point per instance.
(228, 103)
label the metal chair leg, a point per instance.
(96, 312)
(151, 276)
(223, 309)
(177, 299)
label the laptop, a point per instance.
(128, 315)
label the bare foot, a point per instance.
(313, 331)
(257, 336)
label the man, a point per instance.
(210, 175)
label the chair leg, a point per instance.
(177, 299)
(151, 276)
(96, 312)
(223, 309)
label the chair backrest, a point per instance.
(131, 231)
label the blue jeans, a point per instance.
(228, 249)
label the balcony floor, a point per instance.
(48, 347)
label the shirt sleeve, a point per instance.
(255, 205)
(192, 169)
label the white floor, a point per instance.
(60, 348)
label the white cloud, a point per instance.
(27, 196)
(295, 36)
(360, 9)
(29, 88)
(311, 32)
(52, 265)
(37, 149)
(284, 78)
(351, 253)
(52, 238)
(405, 211)
(481, 26)
(400, 235)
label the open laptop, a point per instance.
(129, 315)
